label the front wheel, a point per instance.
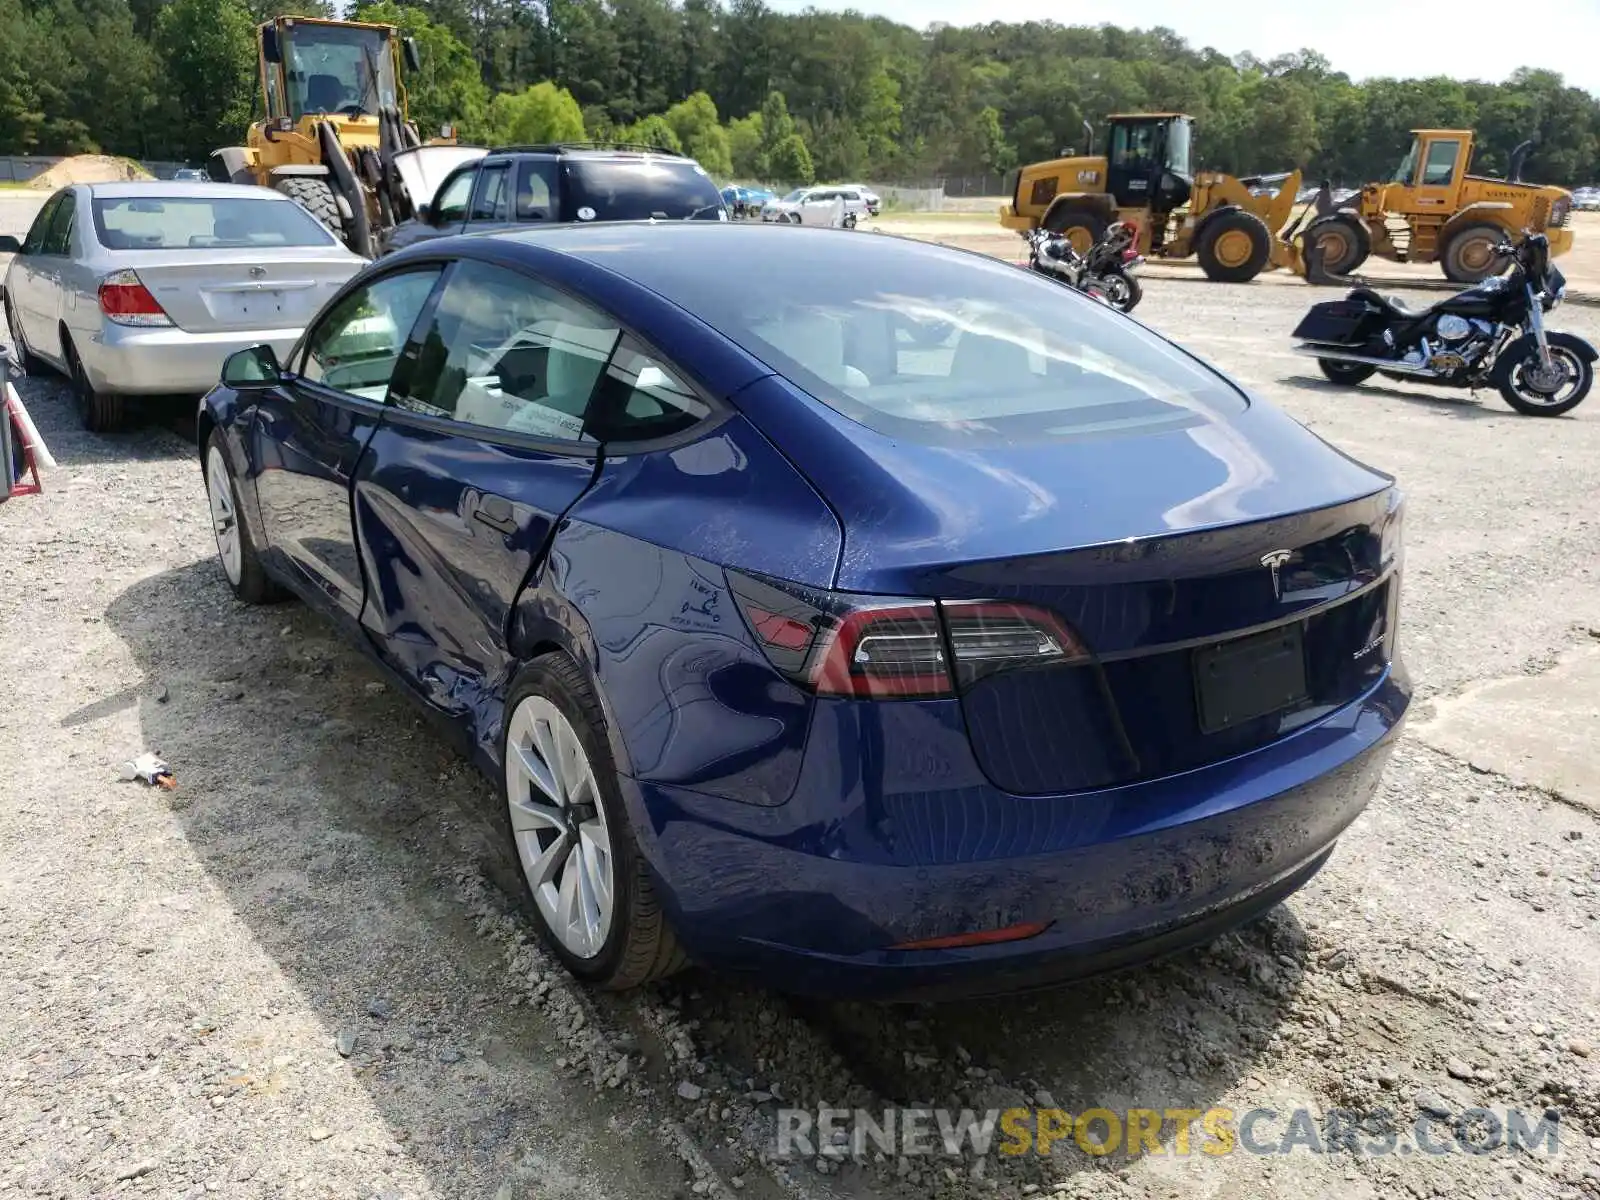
(1536, 392)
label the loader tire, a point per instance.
(1469, 256)
(316, 197)
(1082, 227)
(1234, 247)
(1346, 243)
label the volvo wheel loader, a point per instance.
(336, 135)
(1233, 226)
(1432, 210)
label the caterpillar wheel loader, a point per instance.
(1233, 226)
(336, 136)
(1432, 210)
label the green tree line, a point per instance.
(754, 93)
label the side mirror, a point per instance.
(412, 55)
(270, 49)
(9, 244)
(425, 213)
(252, 369)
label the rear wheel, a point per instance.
(1345, 243)
(1469, 254)
(1081, 227)
(235, 549)
(1234, 247)
(1346, 374)
(316, 195)
(100, 412)
(592, 894)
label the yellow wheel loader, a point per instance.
(1233, 226)
(336, 135)
(1431, 210)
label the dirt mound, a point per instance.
(88, 168)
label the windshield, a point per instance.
(796, 195)
(334, 69)
(942, 348)
(603, 189)
(148, 223)
(1178, 138)
(1407, 169)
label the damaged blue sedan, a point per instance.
(868, 616)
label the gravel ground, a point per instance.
(301, 973)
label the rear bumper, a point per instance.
(142, 361)
(812, 905)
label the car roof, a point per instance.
(180, 187)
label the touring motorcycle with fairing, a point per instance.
(1491, 335)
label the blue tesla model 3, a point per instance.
(873, 617)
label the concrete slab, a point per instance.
(1541, 730)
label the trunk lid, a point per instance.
(228, 290)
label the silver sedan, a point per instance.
(144, 288)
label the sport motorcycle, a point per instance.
(1104, 271)
(1491, 335)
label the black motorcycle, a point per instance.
(1105, 271)
(1491, 335)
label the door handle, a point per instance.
(495, 512)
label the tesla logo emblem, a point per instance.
(257, 272)
(1273, 560)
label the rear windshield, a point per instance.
(193, 222)
(952, 349)
(639, 189)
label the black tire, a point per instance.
(1346, 243)
(1346, 374)
(1083, 227)
(254, 586)
(26, 360)
(1462, 257)
(1229, 268)
(1561, 348)
(316, 195)
(1123, 291)
(100, 412)
(640, 945)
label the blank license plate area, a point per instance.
(1251, 677)
(251, 305)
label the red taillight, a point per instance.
(984, 937)
(841, 644)
(126, 301)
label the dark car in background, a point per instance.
(547, 185)
(864, 614)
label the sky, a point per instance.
(1466, 39)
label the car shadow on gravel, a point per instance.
(155, 430)
(338, 827)
(332, 818)
(1453, 403)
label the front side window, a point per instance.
(1179, 136)
(58, 238)
(1407, 169)
(41, 223)
(491, 203)
(450, 205)
(1440, 167)
(356, 347)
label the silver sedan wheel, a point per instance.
(224, 517)
(559, 825)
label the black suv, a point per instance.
(520, 186)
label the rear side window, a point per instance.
(639, 189)
(947, 349)
(505, 352)
(536, 190)
(34, 242)
(203, 222)
(58, 238)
